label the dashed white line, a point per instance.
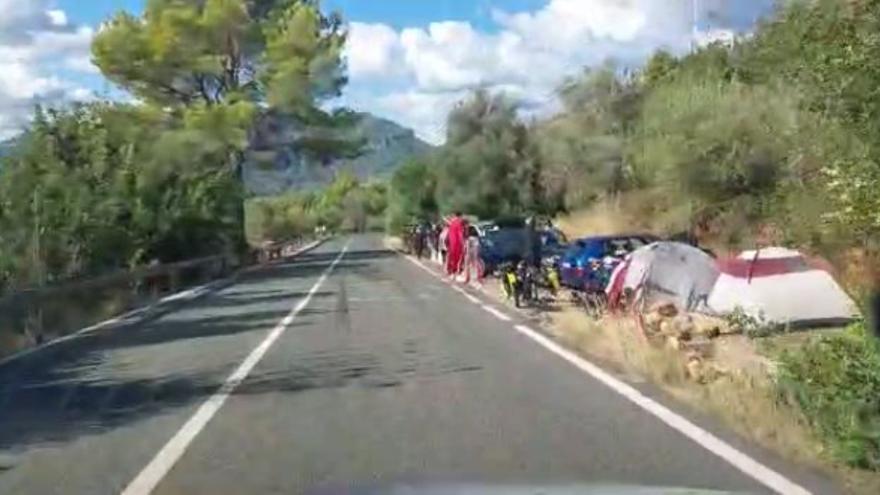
(733, 456)
(494, 312)
(150, 477)
(471, 298)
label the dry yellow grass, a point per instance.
(602, 219)
(642, 212)
(744, 399)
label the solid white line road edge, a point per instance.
(151, 475)
(186, 295)
(733, 456)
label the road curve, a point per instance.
(332, 378)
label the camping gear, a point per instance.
(665, 272)
(550, 275)
(778, 285)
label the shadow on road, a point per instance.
(109, 378)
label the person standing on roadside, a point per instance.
(533, 243)
(456, 231)
(423, 237)
(442, 246)
(472, 262)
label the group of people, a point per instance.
(454, 242)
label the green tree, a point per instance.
(217, 65)
(88, 189)
(488, 166)
(412, 195)
(585, 146)
(660, 66)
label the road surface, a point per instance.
(385, 374)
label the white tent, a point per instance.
(778, 286)
(666, 272)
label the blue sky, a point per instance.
(409, 60)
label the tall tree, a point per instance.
(584, 146)
(220, 65)
(488, 166)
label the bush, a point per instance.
(836, 382)
(751, 326)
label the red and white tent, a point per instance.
(778, 285)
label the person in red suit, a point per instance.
(455, 239)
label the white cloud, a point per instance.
(417, 73)
(57, 17)
(371, 50)
(724, 36)
(36, 42)
(420, 111)
(81, 63)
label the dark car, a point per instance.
(509, 243)
(502, 245)
(588, 262)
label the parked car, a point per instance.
(506, 242)
(588, 262)
(502, 245)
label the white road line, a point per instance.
(421, 265)
(466, 294)
(494, 312)
(463, 292)
(471, 298)
(761, 473)
(150, 477)
(733, 456)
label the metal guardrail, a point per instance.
(34, 316)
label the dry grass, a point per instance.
(744, 398)
(618, 343)
(602, 219)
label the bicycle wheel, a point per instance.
(595, 305)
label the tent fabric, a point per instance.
(778, 285)
(743, 268)
(666, 272)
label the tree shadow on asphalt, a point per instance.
(228, 301)
(84, 386)
(62, 402)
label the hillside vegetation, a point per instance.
(278, 165)
(108, 186)
(772, 139)
(346, 204)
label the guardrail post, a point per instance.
(173, 280)
(33, 324)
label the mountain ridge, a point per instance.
(281, 168)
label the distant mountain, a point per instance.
(276, 166)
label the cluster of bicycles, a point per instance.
(524, 284)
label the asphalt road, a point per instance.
(387, 375)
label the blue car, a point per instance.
(588, 262)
